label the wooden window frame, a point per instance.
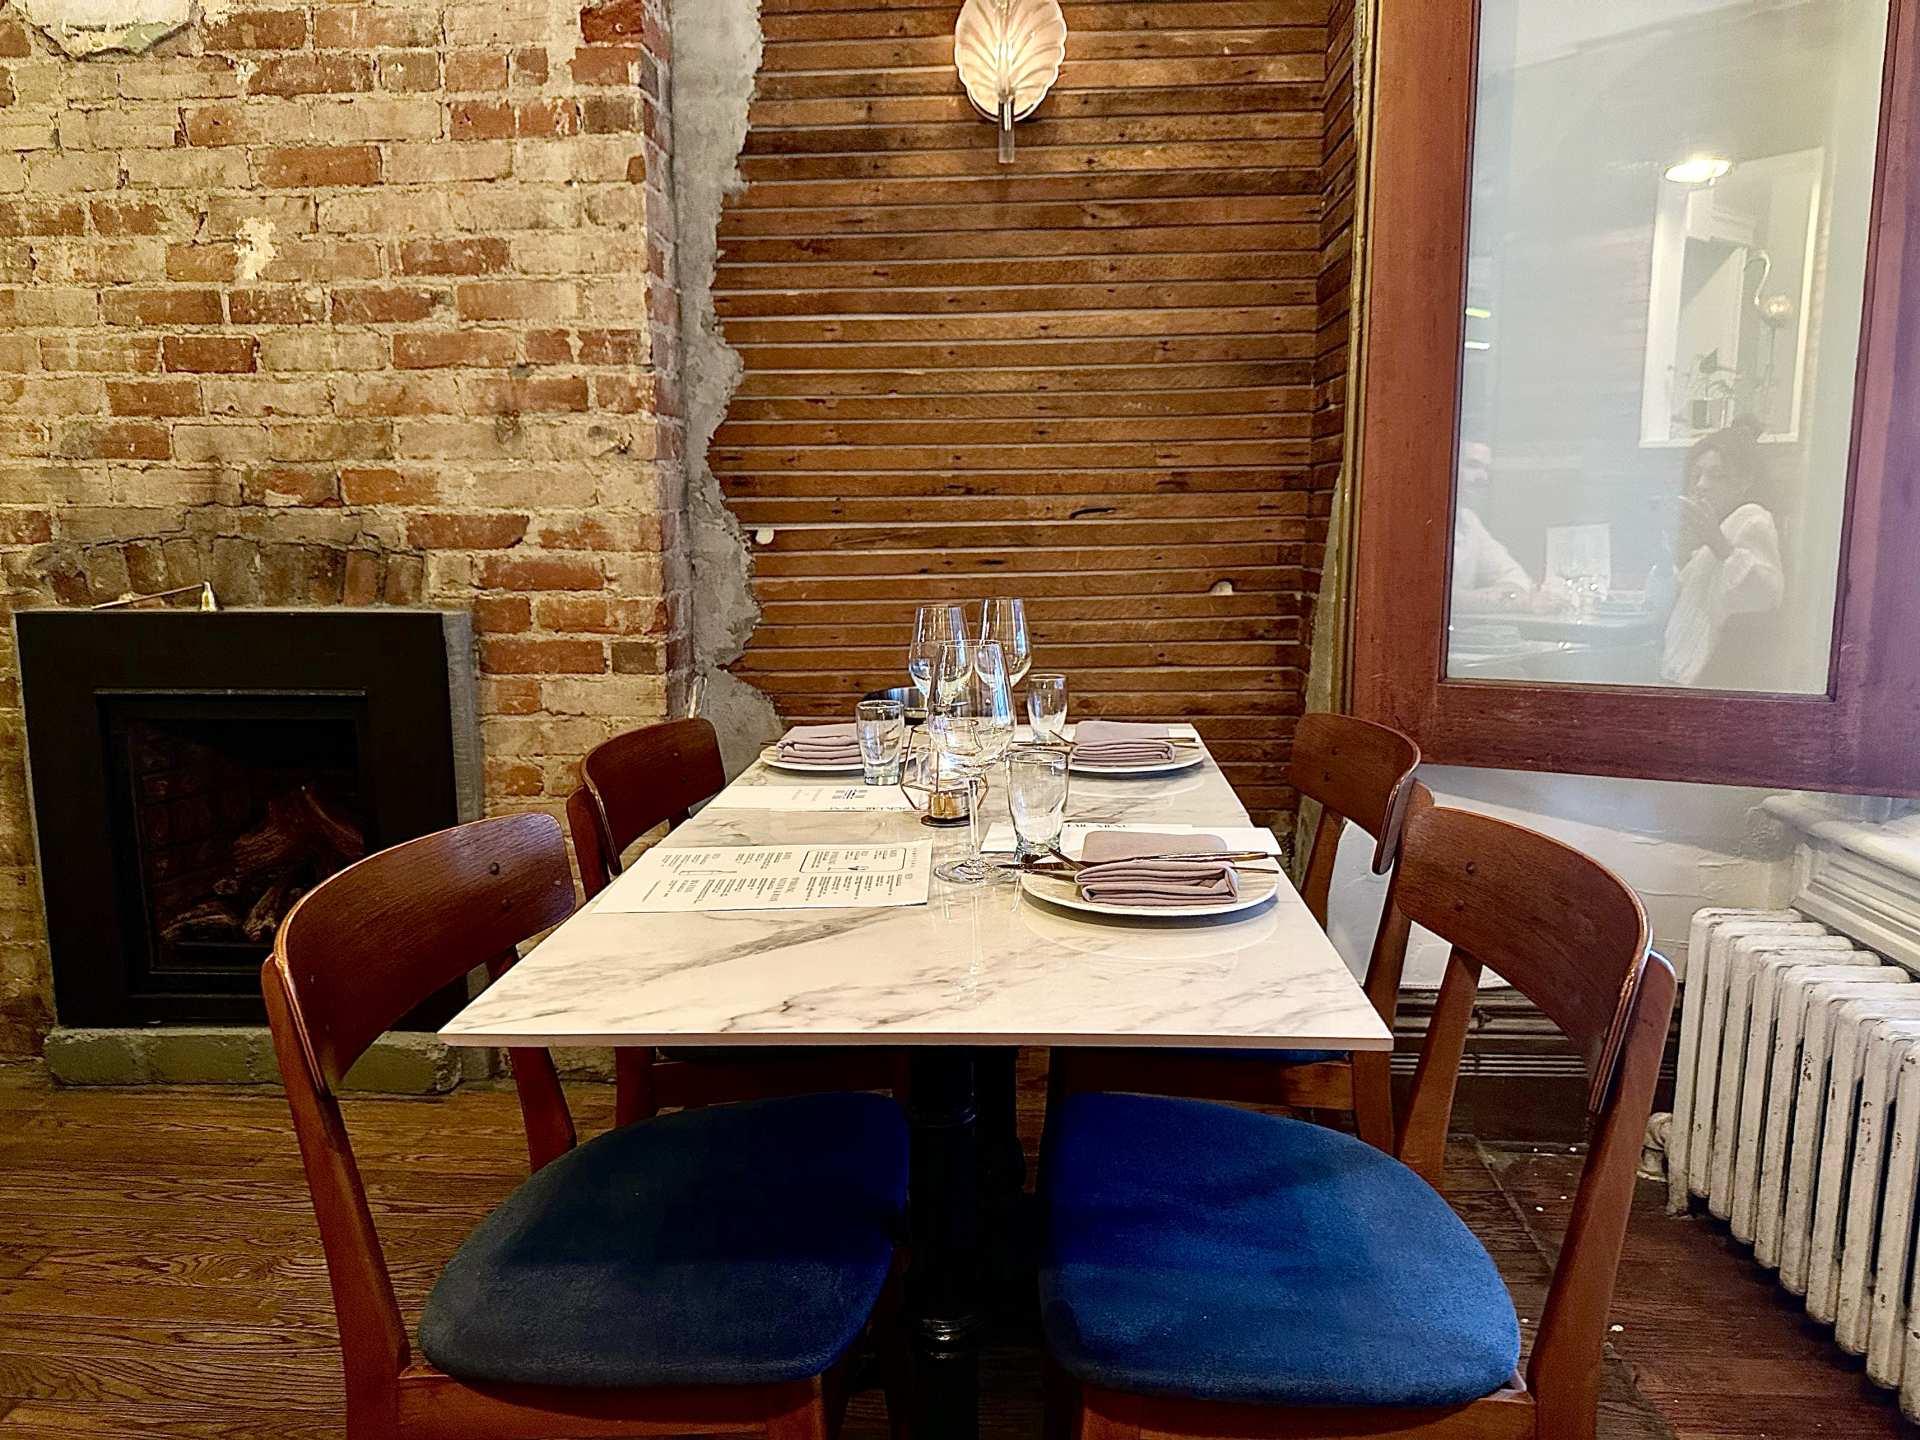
(1863, 735)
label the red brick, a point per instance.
(219, 124)
(509, 695)
(462, 531)
(548, 347)
(476, 70)
(258, 30)
(623, 394)
(42, 217)
(302, 166)
(361, 584)
(289, 305)
(540, 572)
(605, 64)
(13, 40)
(208, 262)
(611, 114)
(25, 527)
(410, 70)
(114, 440)
(438, 349)
(153, 397)
(162, 307)
(212, 354)
(624, 20)
(517, 300)
(503, 614)
(520, 655)
(590, 532)
(481, 120)
(386, 487)
(519, 779)
(538, 119)
(613, 347)
(383, 305)
(284, 485)
(126, 217)
(310, 74)
(453, 257)
(538, 395)
(529, 66)
(96, 353)
(372, 29)
(639, 657)
(576, 614)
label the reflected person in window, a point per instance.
(1728, 578)
(1486, 577)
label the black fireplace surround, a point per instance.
(194, 773)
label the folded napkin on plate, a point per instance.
(1116, 875)
(1120, 742)
(821, 744)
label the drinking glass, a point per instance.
(1036, 797)
(1047, 706)
(1004, 621)
(933, 626)
(882, 726)
(970, 719)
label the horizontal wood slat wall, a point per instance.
(1099, 378)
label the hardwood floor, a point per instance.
(160, 1274)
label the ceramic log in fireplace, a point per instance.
(194, 774)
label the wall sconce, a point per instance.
(1009, 53)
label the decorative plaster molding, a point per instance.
(1857, 868)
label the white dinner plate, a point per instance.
(810, 767)
(1184, 758)
(1256, 889)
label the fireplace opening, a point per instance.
(225, 812)
(195, 773)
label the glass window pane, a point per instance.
(1665, 278)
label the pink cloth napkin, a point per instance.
(821, 744)
(1120, 742)
(1115, 875)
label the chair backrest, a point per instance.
(651, 776)
(1572, 937)
(589, 853)
(1358, 771)
(358, 952)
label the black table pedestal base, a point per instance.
(945, 1318)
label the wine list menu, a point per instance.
(773, 877)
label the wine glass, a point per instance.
(933, 626)
(970, 720)
(1004, 619)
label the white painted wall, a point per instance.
(1680, 846)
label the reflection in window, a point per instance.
(1666, 270)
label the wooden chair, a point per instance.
(584, 1305)
(1358, 772)
(1216, 1272)
(634, 783)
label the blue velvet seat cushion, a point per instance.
(1217, 1254)
(729, 1245)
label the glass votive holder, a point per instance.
(882, 728)
(1037, 797)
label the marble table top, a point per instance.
(982, 964)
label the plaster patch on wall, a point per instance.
(716, 56)
(93, 27)
(256, 249)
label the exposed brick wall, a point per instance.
(349, 303)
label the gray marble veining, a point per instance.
(976, 965)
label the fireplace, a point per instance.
(194, 774)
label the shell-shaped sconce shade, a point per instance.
(1009, 51)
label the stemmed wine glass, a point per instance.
(933, 627)
(1004, 620)
(970, 719)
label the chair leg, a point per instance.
(633, 1094)
(807, 1420)
(1373, 1099)
(1106, 1415)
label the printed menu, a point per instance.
(857, 798)
(773, 877)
